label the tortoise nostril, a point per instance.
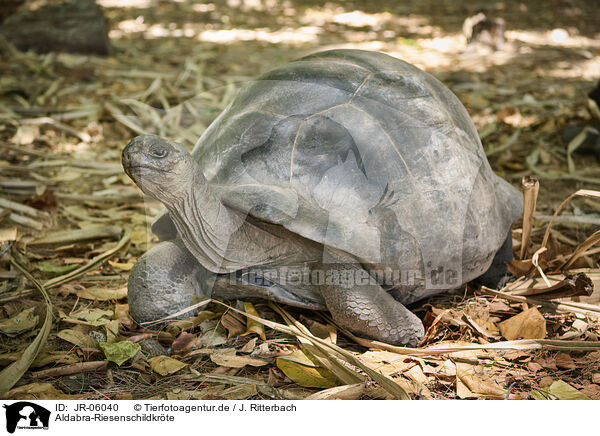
(126, 155)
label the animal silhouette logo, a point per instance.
(26, 415)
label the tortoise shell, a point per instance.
(368, 154)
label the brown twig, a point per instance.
(72, 369)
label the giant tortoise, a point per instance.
(347, 181)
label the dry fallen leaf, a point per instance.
(499, 306)
(249, 346)
(22, 321)
(121, 266)
(185, 341)
(77, 336)
(467, 375)
(103, 294)
(546, 382)
(564, 361)
(592, 391)
(8, 234)
(251, 325)
(462, 391)
(165, 365)
(489, 326)
(26, 134)
(240, 392)
(318, 329)
(548, 363)
(420, 380)
(234, 323)
(230, 359)
(346, 392)
(122, 315)
(386, 362)
(37, 391)
(529, 324)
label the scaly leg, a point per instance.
(164, 281)
(362, 306)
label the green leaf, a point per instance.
(565, 391)
(303, 371)
(119, 352)
(559, 390)
(540, 395)
(52, 268)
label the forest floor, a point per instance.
(70, 217)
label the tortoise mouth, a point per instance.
(141, 168)
(138, 172)
(138, 167)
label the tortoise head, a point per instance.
(162, 169)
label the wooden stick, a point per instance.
(530, 187)
(72, 369)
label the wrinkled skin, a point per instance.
(346, 164)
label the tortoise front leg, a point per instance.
(165, 281)
(362, 306)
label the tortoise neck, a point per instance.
(220, 237)
(205, 225)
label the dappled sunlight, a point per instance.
(299, 35)
(204, 7)
(254, 5)
(141, 4)
(411, 37)
(588, 69)
(445, 44)
(555, 37)
(362, 19)
(152, 31)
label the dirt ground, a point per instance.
(72, 219)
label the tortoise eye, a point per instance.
(158, 152)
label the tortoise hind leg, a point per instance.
(359, 304)
(497, 274)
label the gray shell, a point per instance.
(365, 153)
